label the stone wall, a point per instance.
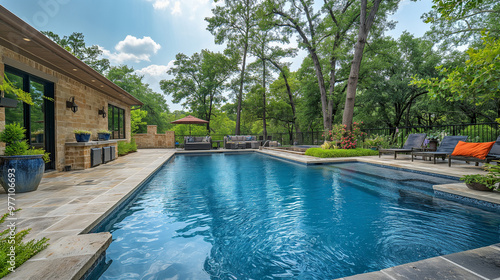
(78, 156)
(89, 101)
(154, 140)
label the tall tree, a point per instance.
(477, 80)
(266, 46)
(385, 94)
(75, 44)
(300, 17)
(233, 22)
(199, 81)
(461, 22)
(367, 18)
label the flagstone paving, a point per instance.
(67, 205)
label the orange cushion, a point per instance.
(478, 150)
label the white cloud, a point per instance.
(156, 70)
(160, 4)
(177, 10)
(196, 9)
(132, 49)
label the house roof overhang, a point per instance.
(19, 36)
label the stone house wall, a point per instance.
(153, 140)
(89, 101)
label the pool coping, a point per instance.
(71, 264)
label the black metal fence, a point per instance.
(482, 132)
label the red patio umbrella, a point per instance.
(189, 120)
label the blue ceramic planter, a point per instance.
(21, 173)
(82, 137)
(103, 136)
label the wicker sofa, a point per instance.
(241, 142)
(197, 143)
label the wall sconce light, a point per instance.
(72, 105)
(102, 112)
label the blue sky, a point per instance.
(147, 34)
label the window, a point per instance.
(116, 122)
(38, 119)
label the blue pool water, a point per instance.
(225, 216)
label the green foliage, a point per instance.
(476, 81)
(155, 103)
(13, 136)
(328, 145)
(23, 251)
(460, 22)
(104, 131)
(127, 147)
(386, 98)
(488, 180)
(479, 133)
(136, 119)
(9, 88)
(199, 81)
(346, 139)
(17, 148)
(333, 153)
(12, 133)
(378, 141)
(78, 131)
(75, 44)
(33, 151)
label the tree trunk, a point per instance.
(240, 93)
(364, 29)
(327, 120)
(290, 95)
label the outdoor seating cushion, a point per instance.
(478, 150)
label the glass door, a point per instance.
(38, 119)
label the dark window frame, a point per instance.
(48, 107)
(117, 117)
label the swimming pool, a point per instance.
(250, 216)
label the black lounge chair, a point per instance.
(414, 141)
(494, 154)
(445, 148)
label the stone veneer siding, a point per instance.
(154, 140)
(89, 101)
(78, 157)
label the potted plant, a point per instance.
(82, 135)
(480, 182)
(484, 182)
(103, 134)
(433, 138)
(21, 167)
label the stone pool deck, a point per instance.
(68, 205)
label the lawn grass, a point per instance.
(332, 153)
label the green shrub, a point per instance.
(78, 131)
(378, 141)
(13, 132)
(133, 145)
(126, 147)
(10, 242)
(13, 136)
(123, 148)
(358, 152)
(104, 131)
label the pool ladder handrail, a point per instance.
(267, 141)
